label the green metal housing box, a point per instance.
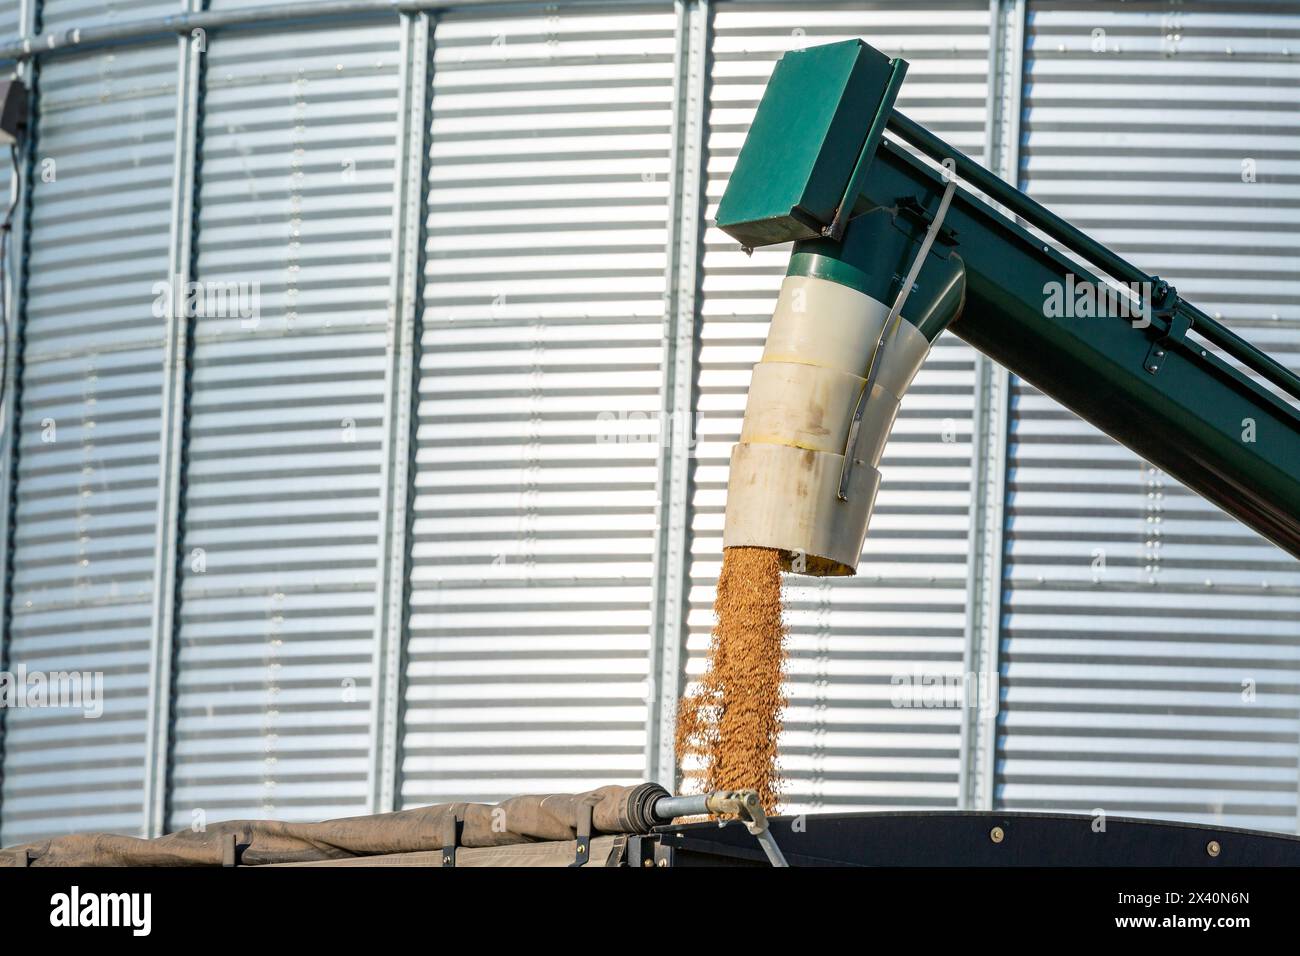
(804, 143)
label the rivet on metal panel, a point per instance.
(997, 835)
(1213, 848)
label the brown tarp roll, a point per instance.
(522, 855)
(526, 819)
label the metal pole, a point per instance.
(176, 360)
(989, 445)
(743, 803)
(393, 598)
(9, 413)
(670, 600)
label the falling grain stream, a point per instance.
(727, 727)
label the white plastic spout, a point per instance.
(783, 490)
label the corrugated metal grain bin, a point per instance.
(397, 520)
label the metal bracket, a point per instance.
(887, 330)
(453, 825)
(641, 850)
(583, 853)
(912, 208)
(1172, 323)
(232, 851)
(618, 851)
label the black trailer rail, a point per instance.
(968, 839)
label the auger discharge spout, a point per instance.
(863, 300)
(824, 397)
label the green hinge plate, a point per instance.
(805, 142)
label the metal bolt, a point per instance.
(1213, 848)
(648, 863)
(662, 863)
(996, 835)
(582, 848)
(446, 860)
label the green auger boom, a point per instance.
(889, 251)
